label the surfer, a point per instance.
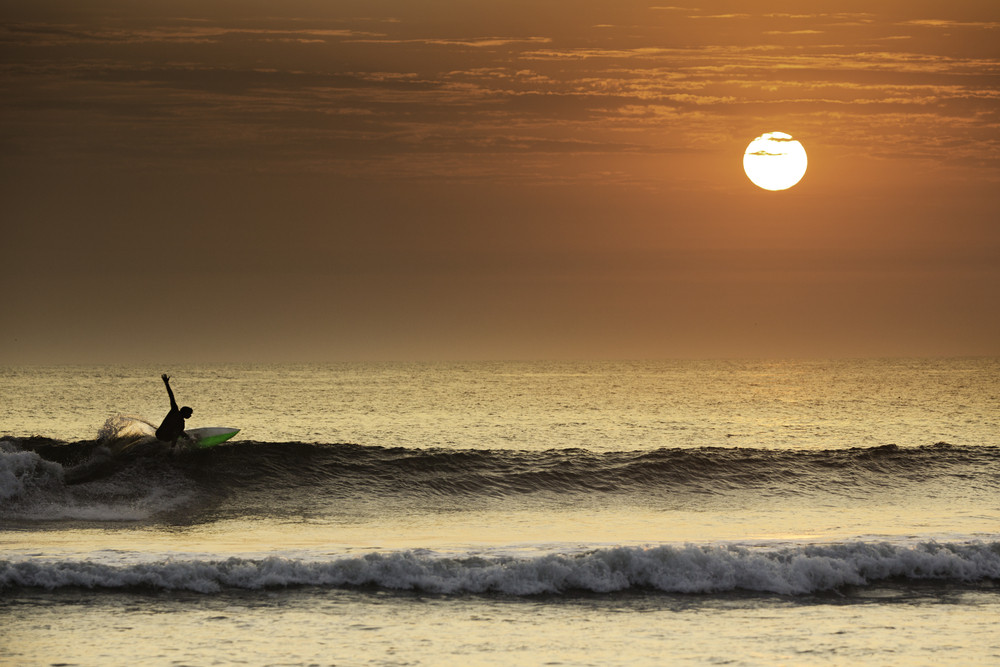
(172, 427)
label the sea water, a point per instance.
(754, 513)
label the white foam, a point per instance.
(32, 488)
(125, 426)
(120, 432)
(23, 470)
(690, 569)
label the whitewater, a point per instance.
(806, 512)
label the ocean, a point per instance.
(572, 513)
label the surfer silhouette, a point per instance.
(172, 426)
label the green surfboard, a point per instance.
(203, 438)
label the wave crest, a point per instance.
(22, 471)
(667, 569)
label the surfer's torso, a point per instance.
(172, 427)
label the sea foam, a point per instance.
(21, 471)
(36, 489)
(669, 569)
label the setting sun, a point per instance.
(775, 161)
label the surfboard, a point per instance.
(202, 438)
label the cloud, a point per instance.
(793, 32)
(720, 16)
(282, 90)
(48, 34)
(476, 42)
(950, 24)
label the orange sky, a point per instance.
(240, 181)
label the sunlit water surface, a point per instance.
(522, 513)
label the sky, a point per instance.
(306, 180)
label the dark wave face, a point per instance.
(264, 477)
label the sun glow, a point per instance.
(775, 161)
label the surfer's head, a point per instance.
(186, 412)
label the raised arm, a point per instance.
(166, 381)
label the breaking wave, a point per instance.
(688, 570)
(450, 471)
(127, 474)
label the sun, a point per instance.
(775, 161)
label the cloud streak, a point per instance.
(382, 91)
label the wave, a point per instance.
(36, 487)
(708, 469)
(42, 478)
(689, 570)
